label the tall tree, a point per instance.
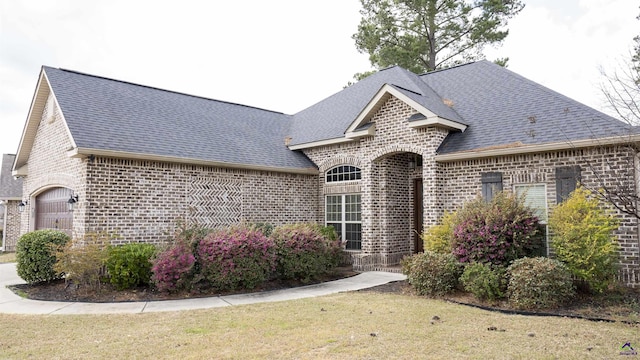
(425, 35)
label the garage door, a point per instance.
(52, 211)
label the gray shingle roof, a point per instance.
(113, 115)
(500, 108)
(10, 188)
(330, 118)
(503, 108)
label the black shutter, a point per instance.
(491, 184)
(567, 178)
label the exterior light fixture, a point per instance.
(71, 203)
(22, 205)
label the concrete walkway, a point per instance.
(11, 303)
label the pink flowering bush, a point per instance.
(237, 257)
(305, 251)
(496, 232)
(173, 268)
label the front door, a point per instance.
(417, 216)
(52, 210)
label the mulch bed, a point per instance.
(61, 291)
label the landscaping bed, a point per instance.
(621, 305)
(59, 290)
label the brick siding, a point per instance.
(387, 192)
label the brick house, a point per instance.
(377, 160)
(10, 196)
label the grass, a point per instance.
(7, 257)
(357, 325)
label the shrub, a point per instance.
(35, 255)
(484, 281)
(304, 252)
(438, 238)
(583, 239)
(238, 257)
(129, 265)
(172, 269)
(82, 260)
(432, 273)
(265, 228)
(538, 283)
(496, 232)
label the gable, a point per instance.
(44, 107)
(111, 118)
(422, 117)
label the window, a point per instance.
(567, 178)
(535, 198)
(491, 184)
(343, 212)
(343, 173)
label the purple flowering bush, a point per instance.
(496, 232)
(305, 251)
(173, 268)
(237, 257)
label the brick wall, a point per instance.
(141, 201)
(386, 184)
(460, 181)
(387, 193)
(12, 225)
(49, 166)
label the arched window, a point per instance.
(343, 173)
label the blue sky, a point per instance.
(281, 55)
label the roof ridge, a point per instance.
(161, 89)
(452, 67)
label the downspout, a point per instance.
(4, 225)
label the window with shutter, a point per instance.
(491, 184)
(567, 178)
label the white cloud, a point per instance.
(282, 55)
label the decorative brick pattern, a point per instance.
(215, 202)
(142, 201)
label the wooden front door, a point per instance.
(418, 210)
(52, 210)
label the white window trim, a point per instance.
(342, 181)
(343, 212)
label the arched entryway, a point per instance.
(396, 195)
(52, 210)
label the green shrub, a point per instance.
(438, 238)
(496, 232)
(539, 283)
(238, 257)
(484, 281)
(82, 260)
(265, 228)
(304, 251)
(432, 273)
(583, 239)
(35, 255)
(129, 265)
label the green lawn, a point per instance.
(7, 257)
(359, 325)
